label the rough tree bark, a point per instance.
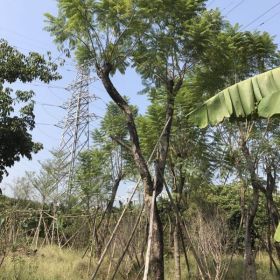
(156, 259)
(113, 194)
(177, 251)
(272, 210)
(249, 255)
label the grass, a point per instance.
(52, 263)
(49, 263)
(235, 271)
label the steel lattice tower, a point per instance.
(76, 135)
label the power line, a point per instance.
(235, 7)
(228, 5)
(212, 2)
(269, 19)
(47, 124)
(51, 105)
(44, 133)
(49, 114)
(260, 16)
(35, 42)
(49, 86)
(38, 43)
(58, 97)
(41, 49)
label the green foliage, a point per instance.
(150, 125)
(176, 37)
(107, 160)
(46, 181)
(93, 174)
(277, 234)
(234, 56)
(7, 203)
(16, 108)
(188, 162)
(113, 125)
(225, 200)
(100, 31)
(112, 137)
(241, 100)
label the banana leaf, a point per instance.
(258, 95)
(277, 234)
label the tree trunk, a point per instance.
(249, 255)
(157, 265)
(177, 251)
(272, 210)
(155, 184)
(156, 262)
(113, 196)
(274, 218)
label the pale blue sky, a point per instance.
(22, 23)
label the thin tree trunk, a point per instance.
(249, 255)
(37, 232)
(268, 236)
(154, 259)
(46, 230)
(177, 251)
(150, 185)
(109, 209)
(111, 258)
(170, 233)
(272, 210)
(270, 256)
(113, 194)
(184, 250)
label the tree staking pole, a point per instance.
(75, 136)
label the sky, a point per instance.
(22, 25)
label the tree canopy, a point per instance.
(16, 107)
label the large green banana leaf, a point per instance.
(259, 95)
(277, 234)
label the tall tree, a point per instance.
(164, 38)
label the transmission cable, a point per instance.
(212, 2)
(226, 7)
(260, 16)
(234, 7)
(269, 19)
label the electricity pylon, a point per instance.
(76, 135)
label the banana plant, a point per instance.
(277, 234)
(258, 96)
